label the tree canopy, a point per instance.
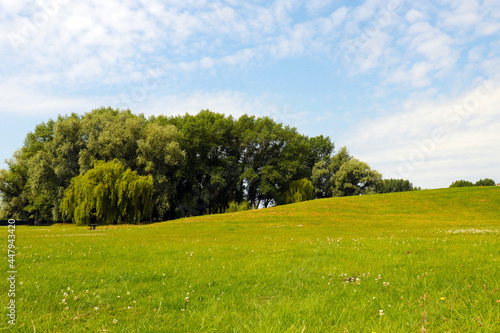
(198, 164)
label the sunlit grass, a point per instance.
(427, 260)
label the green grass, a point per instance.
(282, 269)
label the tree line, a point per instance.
(114, 166)
(480, 182)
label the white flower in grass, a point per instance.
(381, 312)
(96, 308)
(115, 321)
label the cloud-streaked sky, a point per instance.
(412, 88)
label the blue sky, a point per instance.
(412, 88)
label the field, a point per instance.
(404, 262)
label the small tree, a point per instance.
(485, 182)
(108, 193)
(461, 183)
(299, 190)
(238, 207)
(322, 179)
(354, 178)
(395, 185)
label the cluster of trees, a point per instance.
(466, 183)
(110, 166)
(344, 175)
(395, 185)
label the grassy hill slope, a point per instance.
(404, 262)
(464, 207)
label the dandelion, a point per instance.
(442, 298)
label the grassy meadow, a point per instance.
(403, 262)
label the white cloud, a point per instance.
(416, 75)
(464, 13)
(17, 99)
(487, 28)
(423, 41)
(414, 16)
(433, 143)
(432, 43)
(228, 102)
(315, 6)
(476, 53)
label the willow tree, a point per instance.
(355, 177)
(108, 194)
(298, 190)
